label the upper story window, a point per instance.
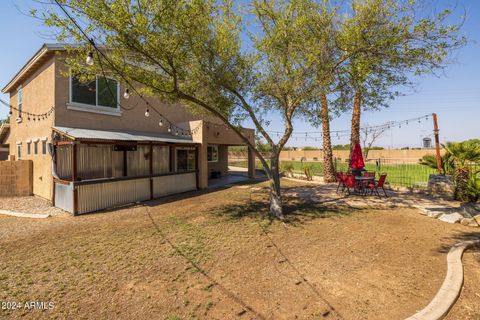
(19, 101)
(101, 93)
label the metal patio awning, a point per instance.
(113, 135)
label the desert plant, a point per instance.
(460, 155)
(457, 161)
(308, 170)
(472, 189)
(430, 160)
(287, 168)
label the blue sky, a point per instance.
(455, 96)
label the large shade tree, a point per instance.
(200, 54)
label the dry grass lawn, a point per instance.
(215, 255)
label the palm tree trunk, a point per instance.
(355, 135)
(328, 167)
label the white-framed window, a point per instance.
(185, 159)
(212, 153)
(19, 150)
(29, 147)
(99, 95)
(19, 102)
(44, 146)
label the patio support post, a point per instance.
(151, 170)
(197, 167)
(251, 163)
(74, 178)
(74, 162)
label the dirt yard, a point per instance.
(215, 255)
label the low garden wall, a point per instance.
(16, 178)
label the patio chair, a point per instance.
(349, 182)
(378, 185)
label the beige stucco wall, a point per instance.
(410, 156)
(133, 110)
(38, 97)
(222, 163)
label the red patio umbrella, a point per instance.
(357, 158)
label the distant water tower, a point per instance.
(427, 143)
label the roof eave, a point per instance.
(46, 48)
(4, 129)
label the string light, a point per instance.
(160, 123)
(89, 60)
(29, 115)
(126, 94)
(147, 113)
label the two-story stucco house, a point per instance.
(93, 148)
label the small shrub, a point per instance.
(472, 189)
(287, 169)
(308, 170)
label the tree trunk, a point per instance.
(355, 135)
(328, 167)
(276, 207)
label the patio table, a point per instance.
(363, 182)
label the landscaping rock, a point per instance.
(477, 219)
(441, 186)
(469, 222)
(472, 209)
(451, 217)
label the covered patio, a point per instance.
(96, 169)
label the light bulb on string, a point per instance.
(147, 113)
(126, 94)
(160, 123)
(169, 129)
(89, 60)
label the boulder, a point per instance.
(471, 209)
(441, 186)
(469, 222)
(477, 218)
(451, 217)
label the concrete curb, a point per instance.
(451, 287)
(25, 215)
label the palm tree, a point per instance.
(460, 156)
(457, 161)
(328, 167)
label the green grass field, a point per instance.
(402, 175)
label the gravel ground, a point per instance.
(30, 204)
